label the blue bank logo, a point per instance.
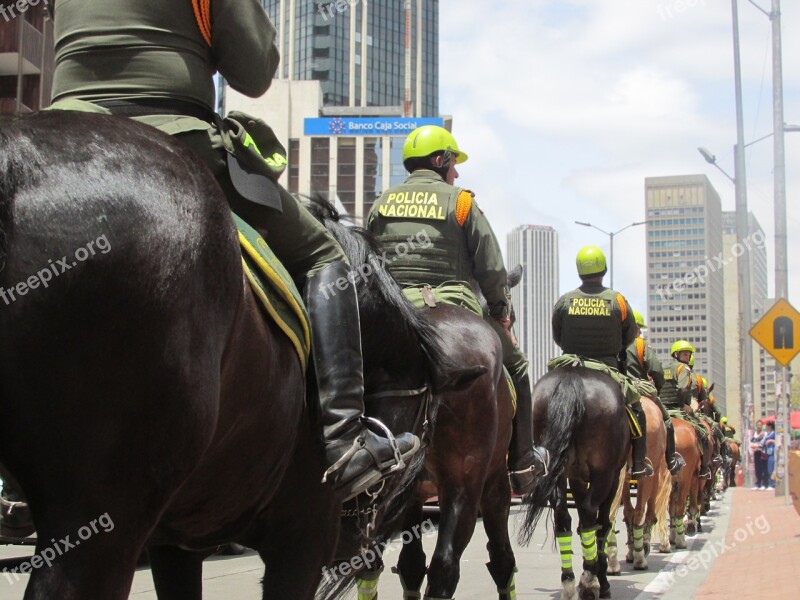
(373, 126)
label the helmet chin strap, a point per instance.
(447, 157)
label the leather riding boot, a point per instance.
(526, 462)
(675, 461)
(357, 458)
(641, 468)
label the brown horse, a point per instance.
(144, 398)
(686, 485)
(734, 452)
(467, 429)
(579, 416)
(652, 497)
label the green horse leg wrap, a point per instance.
(565, 549)
(638, 538)
(367, 584)
(510, 591)
(679, 525)
(589, 545)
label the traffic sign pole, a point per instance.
(778, 332)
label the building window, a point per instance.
(294, 166)
(346, 174)
(320, 157)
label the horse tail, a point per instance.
(662, 507)
(566, 407)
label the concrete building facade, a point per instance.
(755, 251)
(535, 247)
(685, 282)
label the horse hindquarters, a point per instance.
(112, 370)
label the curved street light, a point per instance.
(611, 239)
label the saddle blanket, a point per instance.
(274, 289)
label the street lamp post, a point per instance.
(611, 240)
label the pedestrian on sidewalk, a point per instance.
(769, 450)
(759, 458)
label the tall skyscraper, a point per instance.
(26, 58)
(535, 247)
(684, 273)
(355, 79)
(755, 251)
(360, 51)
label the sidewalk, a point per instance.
(762, 550)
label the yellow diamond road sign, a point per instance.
(778, 331)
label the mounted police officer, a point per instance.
(154, 61)
(462, 248)
(703, 394)
(596, 322)
(644, 364)
(679, 386)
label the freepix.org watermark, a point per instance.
(711, 551)
(669, 10)
(13, 9)
(370, 556)
(420, 240)
(339, 6)
(44, 276)
(60, 547)
(710, 265)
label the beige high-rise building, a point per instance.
(684, 278)
(754, 249)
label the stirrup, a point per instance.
(705, 473)
(676, 464)
(716, 459)
(536, 469)
(360, 443)
(647, 471)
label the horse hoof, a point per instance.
(691, 529)
(605, 591)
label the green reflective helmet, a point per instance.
(723, 420)
(428, 139)
(680, 346)
(591, 261)
(691, 360)
(639, 319)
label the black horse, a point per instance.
(466, 428)
(579, 416)
(143, 398)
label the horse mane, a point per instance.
(381, 291)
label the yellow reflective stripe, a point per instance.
(367, 588)
(589, 545)
(565, 549)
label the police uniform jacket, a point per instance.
(154, 49)
(433, 233)
(643, 363)
(679, 385)
(594, 321)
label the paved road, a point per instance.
(675, 576)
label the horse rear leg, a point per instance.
(606, 527)
(458, 502)
(495, 505)
(177, 573)
(562, 524)
(411, 563)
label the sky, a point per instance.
(565, 106)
